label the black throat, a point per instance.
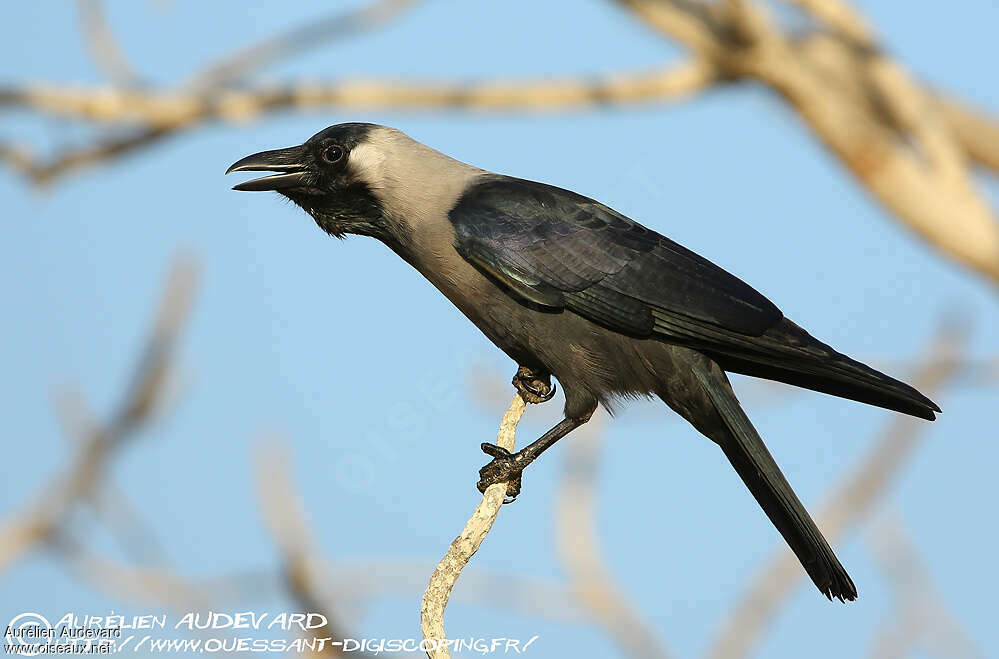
(350, 209)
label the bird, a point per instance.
(569, 288)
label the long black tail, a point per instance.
(751, 459)
(787, 353)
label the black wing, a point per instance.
(561, 250)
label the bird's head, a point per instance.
(330, 176)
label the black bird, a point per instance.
(570, 288)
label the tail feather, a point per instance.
(789, 354)
(758, 470)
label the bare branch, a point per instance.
(102, 44)
(285, 515)
(42, 518)
(442, 580)
(387, 577)
(850, 501)
(41, 171)
(160, 114)
(909, 149)
(977, 132)
(579, 549)
(924, 619)
(691, 22)
(305, 37)
(927, 187)
(839, 17)
(182, 108)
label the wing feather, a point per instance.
(559, 249)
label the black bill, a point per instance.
(289, 163)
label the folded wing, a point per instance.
(558, 249)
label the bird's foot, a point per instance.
(534, 387)
(504, 468)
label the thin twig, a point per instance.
(978, 132)
(182, 108)
(103, 46)
(579, 550)
(297, 40)
(162, 114)
(302, 566)
(905, 144)
(435, 598)
(840, 17)
(39, 521)
(923, 617)
(110, 504)
(892, 138)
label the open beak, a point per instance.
(289, 163)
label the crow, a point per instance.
(571, 289)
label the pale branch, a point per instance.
(922, 615)
(892, 640)
(691, 22)
(444, 576)
(977, 132)
(153, 115)
(314, 33)
(384, 578)
(849, 502)
(906, 146)
(53, 505)
(112, 506)
(840, 17)
(225, 71)
(356, 583)
(159, 587)
(174, 109)
(891, 136)
(139, 585)
(41, 171)
(577, 539)
(104, 48)
(303, 567)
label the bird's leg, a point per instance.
(508, 467)
(534, 387)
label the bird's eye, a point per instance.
(332, 153)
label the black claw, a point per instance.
(533, 388)
(545, 397)
(495, 450)
(502, 469)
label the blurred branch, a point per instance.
(978, 132)
(102, 45)
(908, 146)
(387, 577)
(579, 549)
(53, 505)
(839, 17)
(161, 114)
(286, 518)
(850, 501)
(442, 580)
(139, 585)
(299, 39)
(178, 109)
(140, 131)
(885, 128)
(110, 505)
(923, 618)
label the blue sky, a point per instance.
(333, 346)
